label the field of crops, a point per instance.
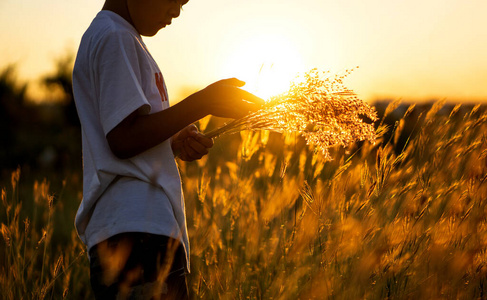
(405, 218)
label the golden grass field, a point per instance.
(269, 220)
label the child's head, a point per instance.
(149, 16)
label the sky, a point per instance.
(410, 49)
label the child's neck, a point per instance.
(119, 7)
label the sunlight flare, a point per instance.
(267, 63)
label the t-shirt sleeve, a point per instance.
(117, 66)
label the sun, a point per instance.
(267, 63)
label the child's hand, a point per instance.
(226, 99)
(189, 144)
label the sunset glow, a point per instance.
(409, 49)
(268, 63)
(352, 164)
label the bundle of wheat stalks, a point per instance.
(319, 107)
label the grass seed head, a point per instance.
(4, 198)
(6, 234)
(321, 109)
(15, 178)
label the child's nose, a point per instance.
(175, 11)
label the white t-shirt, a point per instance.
(115, 75)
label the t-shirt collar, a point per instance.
(117, 18)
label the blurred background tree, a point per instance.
(12, 97)
(62, 80)
(39, 134)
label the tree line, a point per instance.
(39, 135)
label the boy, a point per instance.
(132, 217)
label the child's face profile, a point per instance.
(149, 16)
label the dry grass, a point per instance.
(41, 254)
(318, 107)
(268, 219)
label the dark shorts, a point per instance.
(138, 266)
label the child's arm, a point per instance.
(138, 133)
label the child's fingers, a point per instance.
(240, 93)
(241, 102)
(232, 81)
(195, 148)
(203, 140)
(188, 131)
(247, 96)
(242, 109)
(226, 99)
(192, 149)
(188, 154)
